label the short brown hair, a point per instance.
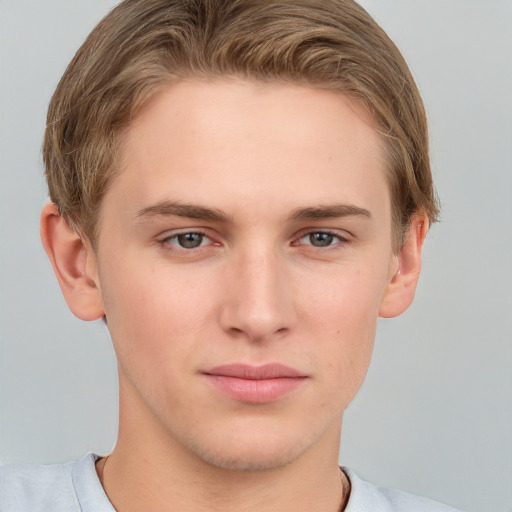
(141, 45)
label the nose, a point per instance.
(259, 299)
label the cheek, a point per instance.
(347, 300)
(342, 321)
(154, 315)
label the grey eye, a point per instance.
(321, 239)
(190, 240)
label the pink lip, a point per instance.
(255, 384)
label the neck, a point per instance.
(129, 489)
(150, 470)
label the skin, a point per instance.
(283, 188)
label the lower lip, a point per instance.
(256, 391)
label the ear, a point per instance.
(402, 284)
(74, 263)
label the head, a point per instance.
(242, 189)
(142, 46)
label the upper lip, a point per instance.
(250, 372)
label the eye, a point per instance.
(321, 239)
(190, 240)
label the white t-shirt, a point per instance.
(75, 487)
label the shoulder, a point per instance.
(35, 488)
(26, 487)
(365, 496)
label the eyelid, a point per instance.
(166, 240)
(172, 232)
(342, 235)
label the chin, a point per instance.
(248, 462)
(244, 456)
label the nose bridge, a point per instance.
(260, 302)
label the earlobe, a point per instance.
(74, 263)
(401, 287)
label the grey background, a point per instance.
(435, 414)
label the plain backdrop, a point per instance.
(435, 414)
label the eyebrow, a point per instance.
(177, 209)
(334, 211)
(193, 211)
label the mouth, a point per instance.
(255, 384)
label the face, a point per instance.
(243, 257)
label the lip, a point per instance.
(255, 384)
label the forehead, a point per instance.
(230, 142)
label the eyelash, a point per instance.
(341, 240)
(168, 242)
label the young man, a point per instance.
(240, 189)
